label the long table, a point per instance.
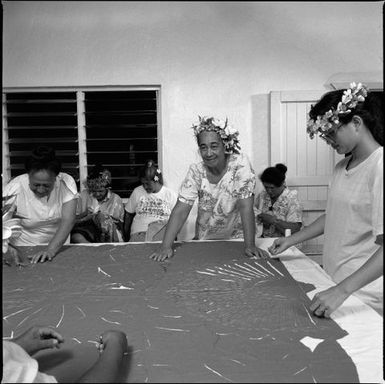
(209, 314)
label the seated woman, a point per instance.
(149, 206)
(45, 199)
(100, 211)
(224, 184)
(277, 207)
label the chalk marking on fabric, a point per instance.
(52, 280)
(161, 365)
(272, 274)
(314, 380)
(94, 342)
(257, 270)
(210, 270)
(247, 270)
(223, 334)
(17, 289)
(62, 315)
(236, 361)
(228, 280)
(108, 321)
(309, 315)
(284, 357)
(147, 339)
(100, 270)
(272, 266)
(21, 322)
(78, 341)
(173, 317)
(205, 273)
(240, 271)
(233, 275)
(173, 329)
(116, 310)
(15, 313)
(112, 258)
(81, 311)
(146, 380)
(217, 373)
(8, 337)
(137, 350)
(235, 272)
(210, 311)
(299, 371)
(150, 306)
(255, 338)
(121, 286)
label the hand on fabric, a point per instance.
(266, 218)
(162, 254)
(256, 252)
(13, 257)
(41, 256)
(113, 339)
(37, 338)
(279, 245)
(326, 302)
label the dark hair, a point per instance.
(43, 158)
(370, 111)
(150, 171)
(274, 175)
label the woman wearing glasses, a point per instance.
(351, 121)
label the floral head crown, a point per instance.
(150, 164)
(350, 98)
(228, 134)
(103, 180)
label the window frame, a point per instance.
(81, 121)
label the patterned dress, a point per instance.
(286, 208)
(218, 216)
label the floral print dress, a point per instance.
(218, 216)
(287, 208)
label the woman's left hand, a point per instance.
(41, 256)
(326, 302)
(256, 252)
(266, 218)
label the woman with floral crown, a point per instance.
(224, 183)
(149, 206)
(100, 212)
(351, 121)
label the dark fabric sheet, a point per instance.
(209, 314)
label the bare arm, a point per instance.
(178, 217)
(316, 228)
(128, 218)
(66, 224)
(246, 210)
(325, 302)
(107, 367)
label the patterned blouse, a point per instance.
(218, 216)
(287, 208)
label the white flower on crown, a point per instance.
(349, 100)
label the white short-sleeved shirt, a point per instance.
(19, 367)
(218, 216)
(354, 218)
(42, 216)
(150, 207)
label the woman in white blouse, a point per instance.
(45, 199)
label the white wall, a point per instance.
(210, 58)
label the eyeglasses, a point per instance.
(329, 135)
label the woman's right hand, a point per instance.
(279, 245)
(113, 339)
(162, 254)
